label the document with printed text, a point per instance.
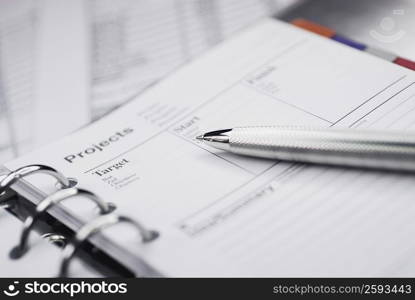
(223, 215)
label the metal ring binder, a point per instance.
(3, 202)
(17, 174)
(94, 227)
(55, 238)
(45, 204)
(66, 190)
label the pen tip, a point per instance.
(200, 137)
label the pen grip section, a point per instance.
(348, 147)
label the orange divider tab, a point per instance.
(313, 27)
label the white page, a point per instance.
(136, 43)
(63, 71)
(224, 215)
(17, 52)
(43, 73)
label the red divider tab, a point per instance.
(405, 63)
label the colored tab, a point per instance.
(313, 27)
(381, 53)
(405, 63)
(348, 42)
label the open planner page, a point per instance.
(223, 215)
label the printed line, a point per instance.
(215, 154)
(295, 166)
(287, 103)
(125, 152)
(390, 111)
(195, 213)
(208, 101)
(374, 96)
(408, 112)
(387, 100)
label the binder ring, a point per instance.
(44, 205)
(96, 226)
(4, 201)
(17, 174)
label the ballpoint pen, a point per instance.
(389, 150)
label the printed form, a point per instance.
(223, 215)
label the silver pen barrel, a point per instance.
(345, 147)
